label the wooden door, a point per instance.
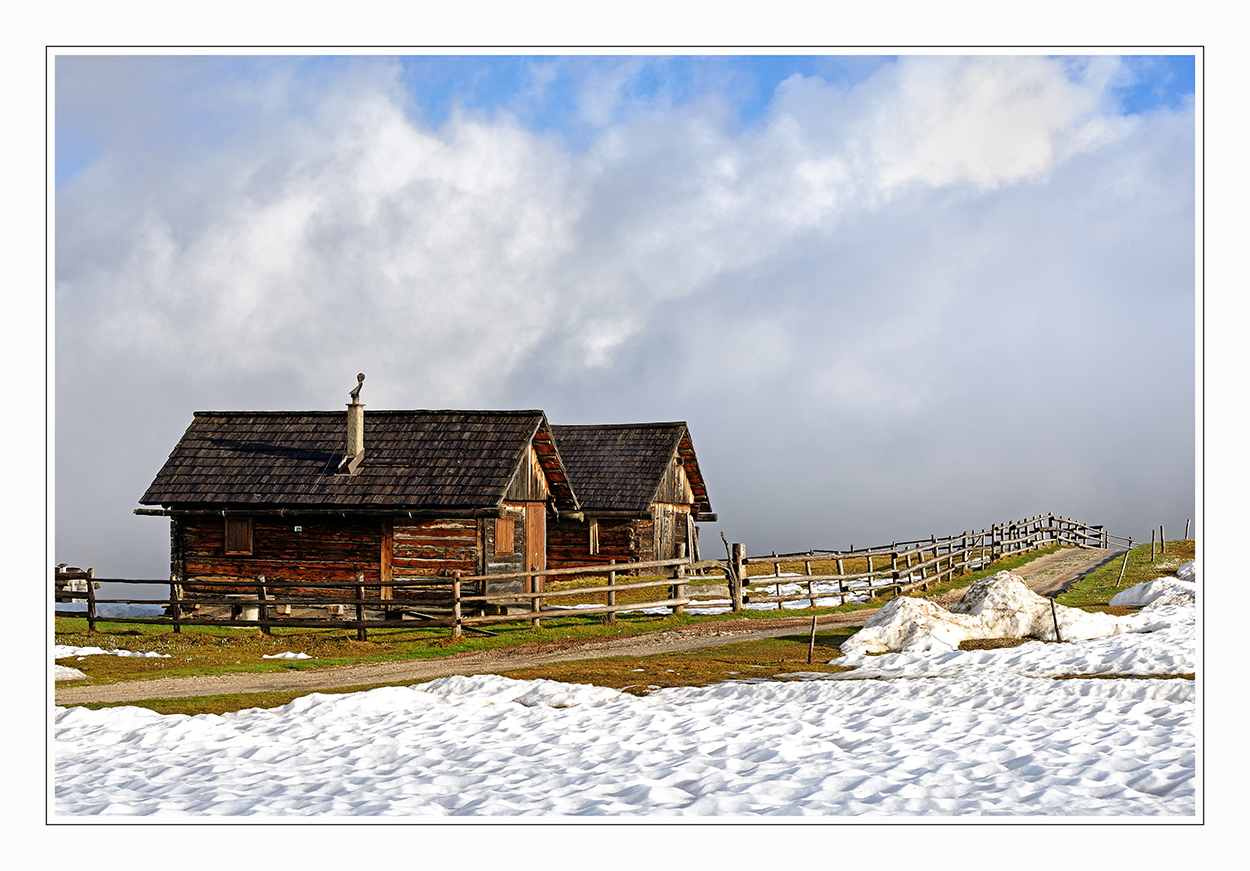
(665, 532)
(388, 553)
(535, 542)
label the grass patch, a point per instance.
(1095, 590)
(992, 643)
(700, 667)
(208, 650)
(765, 658)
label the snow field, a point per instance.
(487, 745)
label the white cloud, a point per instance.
(461, 250)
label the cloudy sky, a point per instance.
(892, 296)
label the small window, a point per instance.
(504, 527)
(594, 536)
(239, 535)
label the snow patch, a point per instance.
(61, 651)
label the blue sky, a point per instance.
(554, 94)
(877, 288)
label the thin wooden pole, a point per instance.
(361, 633)
(1124, 564)
(811, 644)
(1186, 529)
(1163, 541)
(1152, 545)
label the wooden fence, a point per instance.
(262, 603)
(903, 566)
(896, 569)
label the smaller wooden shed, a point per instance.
(641, 494)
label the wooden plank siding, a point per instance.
(530, 482)
(675, 486)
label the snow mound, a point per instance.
(1188, 572)
(287, 655)
(64, 672)
(996, 607)
(496, 690)
(1159, 592)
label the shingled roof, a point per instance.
(459, 460)
(620, 467)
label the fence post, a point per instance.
(457, 628)
(175, 607)
(739, 579)
(1186, 529)
(612, 593)
(1163, 542)
(1152, 545)
(536, 603)
(679, 588)
(262, 609)
(90, 601)
(361, 633)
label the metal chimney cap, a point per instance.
(355, 394)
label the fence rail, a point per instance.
(897, 568)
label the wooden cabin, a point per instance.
(641, 494)
(399, 496)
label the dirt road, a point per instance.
(1044, 574)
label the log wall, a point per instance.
(321, 550)
(568, 542)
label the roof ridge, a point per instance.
(667, 423)
(517, 411)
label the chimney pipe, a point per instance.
(355, 428)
